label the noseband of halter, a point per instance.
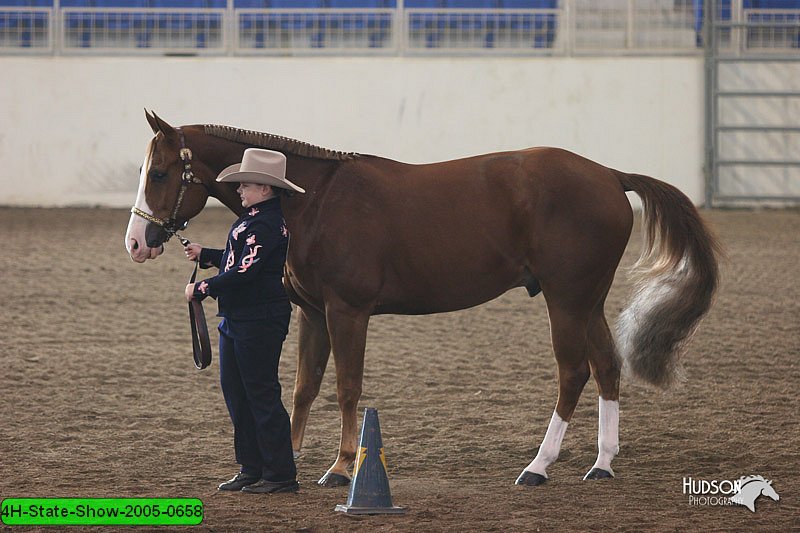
(170, 225)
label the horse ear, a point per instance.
(151, 120)
(159, 124)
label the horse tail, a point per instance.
(676, 277)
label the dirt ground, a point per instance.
(100, 398)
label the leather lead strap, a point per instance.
(201, 345)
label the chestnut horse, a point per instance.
(373, 236)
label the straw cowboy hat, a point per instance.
(260, 166)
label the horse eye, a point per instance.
(156, 175)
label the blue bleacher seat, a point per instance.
(469, 22)
(432, 26)
(354, 4)
(424, 4)
(353, 21)
(543, 25)
(118, 3)
(117, 21)
(177, 20)
(250, 4)
(771, 4)
(528, 4)
(470, 4)
(306, 20)
(297, 4)
(26, 3)
(377, 24)
(418, 22)
(723, 13)
(25, 24)
(784, 11)
(249, 21)
(194, 4)
(284, 21)
(8, 20)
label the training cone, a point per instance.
(369, 490)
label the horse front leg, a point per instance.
(348, 334)
(314, 348)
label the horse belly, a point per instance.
(439, 278)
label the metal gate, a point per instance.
(752, 103)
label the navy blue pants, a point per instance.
(249, 352)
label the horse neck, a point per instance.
(752, 489)
(309, 173)
(313, 175)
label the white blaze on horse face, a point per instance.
(550, 447)
(135, 241)
(607, 434)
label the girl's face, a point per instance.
(253, 193)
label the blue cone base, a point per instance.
(350, 509)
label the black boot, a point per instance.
(238, 481)
(265, 487)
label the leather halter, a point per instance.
(187, 177)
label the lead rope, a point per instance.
(201, 346)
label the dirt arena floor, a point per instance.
(100, 398)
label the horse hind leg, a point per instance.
(606, 371)
(568, 331)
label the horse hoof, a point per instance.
(333, 480)
(598, 473)
(530, 479)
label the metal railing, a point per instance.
(574, 27)
(332, 31)
(25, 30)
(508, 31)
(122, 30)
(752, 102)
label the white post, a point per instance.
(232, 29)
(629, 40)
(55, 28)
(400, 28)
(737, 12)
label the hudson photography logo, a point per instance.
(743, 491)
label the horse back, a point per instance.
(449, 235)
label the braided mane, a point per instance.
(275, 142)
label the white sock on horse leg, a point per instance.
(607, 434)
(550, 447)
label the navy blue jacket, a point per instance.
(251, 266)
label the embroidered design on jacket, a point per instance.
(249, 259)
(203, 287)
(251, 240)
(254, 212)
(237, 230)
(230, 261)
(284, 229)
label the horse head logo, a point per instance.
(751, 487)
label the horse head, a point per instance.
(173, 188)
(768, 491)
(751, 487)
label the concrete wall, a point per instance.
(72, 129)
